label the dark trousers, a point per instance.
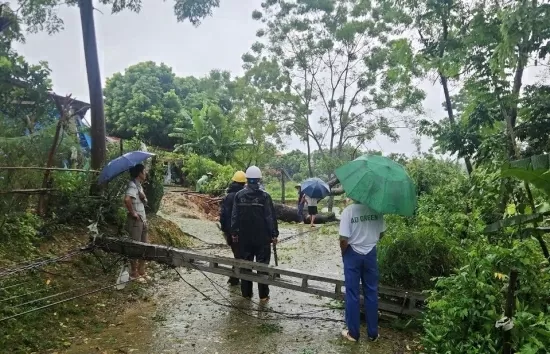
(235, 250)
(261, 253)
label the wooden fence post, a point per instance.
(64, 115)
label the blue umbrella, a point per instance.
(122, 164)
(315, 188)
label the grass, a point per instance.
(75, 319)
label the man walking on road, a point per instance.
(254, 228)
(237, 183)
(360, 230)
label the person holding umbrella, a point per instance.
(136, 221)
(134, 199)
(377, 186)
(314, 189)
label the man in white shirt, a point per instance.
(311, 208)
(360, 230)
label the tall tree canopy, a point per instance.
(149, 101)
(351, 78)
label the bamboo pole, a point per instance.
(46, 169)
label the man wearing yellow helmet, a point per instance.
(237, 183)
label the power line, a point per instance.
(63, 301)
(297, 316)
(22, 295)
(56, 295)
(40, 264)
(216, 286)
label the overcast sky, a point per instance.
(128, 38)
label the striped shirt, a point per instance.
(133, 190)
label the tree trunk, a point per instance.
(62, 108)
(290, 214)
(97, 131)
(309, 168)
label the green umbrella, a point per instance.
(380, 183)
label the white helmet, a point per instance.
(253, 172)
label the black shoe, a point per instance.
(233, 281)
(373, 339)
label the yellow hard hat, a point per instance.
(239, 177)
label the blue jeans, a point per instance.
(300, 212)
(359, 268)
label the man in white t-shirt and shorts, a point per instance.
(360, 229)
(311, 208)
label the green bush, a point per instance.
(197, 166)
(154, 186)
(410, 256)
(18, 235)
(463, 308)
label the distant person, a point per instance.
(136, 221)
(360, 230)
(237, 183)
(311, 208)
(254, 228)
(202, 181)
(301, 203)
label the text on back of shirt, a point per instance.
(364, 218)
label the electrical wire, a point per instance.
(15, 285)
(241, 310)
(39, 264)
(63, 301)
(25, 294)
(210, 245)
(56, 295)
(217, 285)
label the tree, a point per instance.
(212, 135)
(143, 102)
(440, 27)
(350, 79)
(39, 16)
(24, 87)
(43, 15)
(149, 101)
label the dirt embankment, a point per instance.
(190, 205)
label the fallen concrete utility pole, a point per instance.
(395, 301)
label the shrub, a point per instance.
(410, 256)
(197, 166)
(18, 235)
(463, 308)
(154, 186)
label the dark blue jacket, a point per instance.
(227, 207)
(253, 216)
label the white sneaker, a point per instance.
(345, 334)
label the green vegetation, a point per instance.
(335, 74)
